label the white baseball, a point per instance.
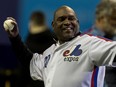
(8, 24)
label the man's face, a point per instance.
(65, 24)
(109, 20)
(110, 25)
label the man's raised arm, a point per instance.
(21, 51)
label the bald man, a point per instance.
(72, 60)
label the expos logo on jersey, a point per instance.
(72, 54)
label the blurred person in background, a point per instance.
(39, 39)
(105, 26)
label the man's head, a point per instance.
(38, 18)
(65, 24)
(106, 17)
(37, 22)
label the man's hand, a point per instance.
(12, 32)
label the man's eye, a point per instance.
(72, 18)
(61, 19)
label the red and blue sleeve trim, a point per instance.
(94, 77)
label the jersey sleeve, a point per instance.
(102, 52)
(36, 66)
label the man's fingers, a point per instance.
(11, 18)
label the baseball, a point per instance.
(8, 24)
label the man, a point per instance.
(68, 62)
(38, 32)
(35, 41)
(105, 23)
(105, 26)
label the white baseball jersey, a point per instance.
(74, 63)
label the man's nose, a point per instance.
(66, 22)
